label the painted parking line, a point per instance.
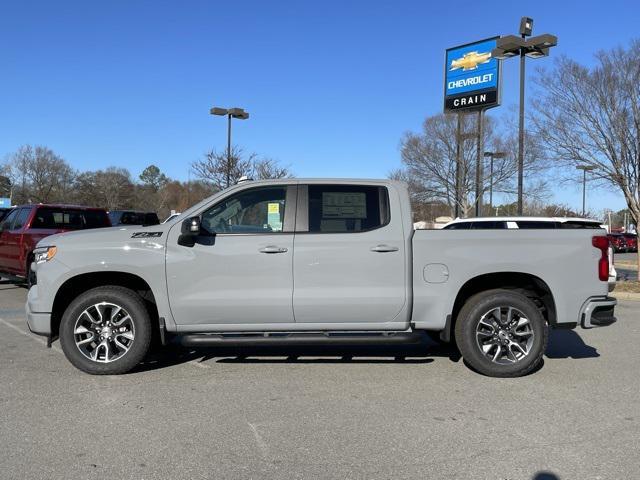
(28, 334)
(195, 363)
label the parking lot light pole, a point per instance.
(585, 169)
(230, 113)
(492, 155)
(535, 47)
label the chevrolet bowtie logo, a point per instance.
(470, 61)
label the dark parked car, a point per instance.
(26, 225)
(632, 242)
(515, 223)
(132, 217)
(618, 242)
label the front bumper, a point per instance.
(38, 322)
(598, 312)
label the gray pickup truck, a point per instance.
(306, 262)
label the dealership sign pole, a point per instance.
(471, 84)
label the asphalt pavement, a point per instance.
(351, 413)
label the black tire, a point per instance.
(28, 279)
(469, 318)
(130, 302)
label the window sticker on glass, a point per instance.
(344, 205)
(273, 217)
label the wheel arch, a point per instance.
(81, 283)
(526, 283)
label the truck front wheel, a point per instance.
(501, 333)
(105, 331)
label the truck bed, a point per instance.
(445, 260)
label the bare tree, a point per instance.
(592, 116)
(222, 171)
(111, 188)
(40, 175)
(268, 168)
(429, 161)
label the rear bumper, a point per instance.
(38, 322)
(598, 312)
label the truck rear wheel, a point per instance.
(501, 333)
(106, 331)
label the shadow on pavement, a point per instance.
(568, 344)
(545, 476)
(419, 353)
(11, 284)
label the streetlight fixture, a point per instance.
(492, 155)
(535, 47)
(585, 169)
(230, 113)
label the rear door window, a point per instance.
(347, 208)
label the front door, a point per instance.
(240, 269)
(350, 256)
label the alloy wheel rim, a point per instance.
(504, 335)
(104, 332)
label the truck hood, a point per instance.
(123, 235)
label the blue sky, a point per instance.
(331, 86)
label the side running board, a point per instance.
(326, 338)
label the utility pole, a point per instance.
(458, 167)
(479, 169)
(585, 169)
(238, 113)
(536, 47)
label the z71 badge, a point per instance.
(146, 234)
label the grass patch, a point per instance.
(628, 286)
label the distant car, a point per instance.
(524, 223)
(482, 223)
(26, 225)
(133, 217)
(632, 242)
(618, 242)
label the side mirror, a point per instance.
(191, 226)
(189, 231)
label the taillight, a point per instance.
(602, 244)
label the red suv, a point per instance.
(618, 242)
(24, 226)
(632, 242)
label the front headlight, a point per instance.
(44, 254)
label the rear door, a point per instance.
(349, 262)
(6, 240)
(16, 258)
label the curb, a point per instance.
(626, 296)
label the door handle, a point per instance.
(384, 248)
(272, 249)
